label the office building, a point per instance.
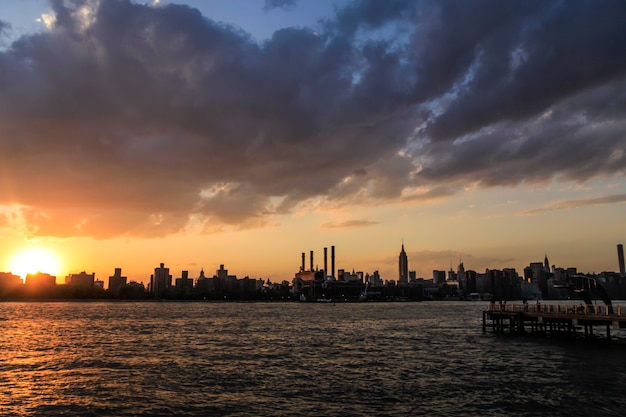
(83, 280)
(161, 281)
(116, 281)
(403, 266)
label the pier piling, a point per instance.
(551, 320)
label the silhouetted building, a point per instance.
(452, 275)
(350, 277)
(374, 279)
(460, 274)
(133, 289)
(184, 284)
(248, 285)
(538, 275)
(8, 279)
(403, 266)
(202, 283)
(439, 277)
(9, 283)
(116, 281)
(161, 281)
(83, 280)
(40, 283)
(470, 281)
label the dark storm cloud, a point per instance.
(538, 58)
(128, 119)
(577, 139)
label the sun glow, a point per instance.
(33, 260)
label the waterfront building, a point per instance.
(9, 282)
(530, 291)
(248, 285)
(452, 275)
(439, 277)
(161, 281)
(403, 266)
(224, 281)
(374, 280)
(460, 273)
(202, 283)
(470, 281)
(40, 279)
(184, 284)
(344, 276)
(83, 280)
(40, 284)
(536, 273)
(116, 281)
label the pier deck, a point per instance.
(553, 320)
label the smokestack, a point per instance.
(325, 262)
(311, 260)
(303, 257)
(332, 260)
(620, 259)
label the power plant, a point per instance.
(312, 267)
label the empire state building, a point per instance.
(403, 265)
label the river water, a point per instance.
(293, 359)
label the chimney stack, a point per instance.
(303, 257)
(311, 260)
(620, 259)
(325, 262)
(332, 260)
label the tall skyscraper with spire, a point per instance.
(403, 266)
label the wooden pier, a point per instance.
(553, 320)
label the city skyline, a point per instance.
(246, 132)
(313, 261)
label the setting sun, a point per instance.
(33, 260)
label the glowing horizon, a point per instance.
(33, 260)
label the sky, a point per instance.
(243, 133)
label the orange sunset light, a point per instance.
(33, 260)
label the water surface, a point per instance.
(286, 359)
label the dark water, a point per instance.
(238, 359)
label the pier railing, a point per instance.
(558, 309)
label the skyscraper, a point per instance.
(620, 259)
(403, 266)
(460, 276)
(116, 281)
(160, 281)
